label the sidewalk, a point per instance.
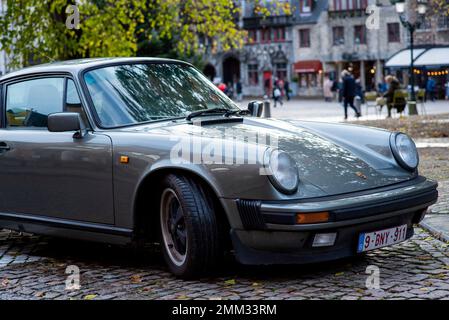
(319, 110)
(437, 220)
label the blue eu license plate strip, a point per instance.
(361, 242)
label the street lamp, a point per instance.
(411, 13)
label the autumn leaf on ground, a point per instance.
(423, 289)
(5, 282)
(136, 279)
(181, 297)
(230, 282)
(90, 297)
(255, 284)
(339, 274)
(424, 258)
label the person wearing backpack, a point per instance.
(277, 96)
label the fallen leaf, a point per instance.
(255, 284)
(339, 274)
(181, 297)
(230, 282)
(136, 279)
(5, 282)
(361, 175)
(90, 297)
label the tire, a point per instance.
(186, 212)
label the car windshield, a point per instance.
(138, 93)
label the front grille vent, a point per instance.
(250, 214)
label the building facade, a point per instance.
(319, 38)
(266, 57)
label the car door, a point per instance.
(52, 174)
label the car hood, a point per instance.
(328, 161)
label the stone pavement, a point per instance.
(437, 221)
(319, 110)
(34, 268)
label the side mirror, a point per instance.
(66, 121)
(255, 108)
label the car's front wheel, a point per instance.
(189, 230)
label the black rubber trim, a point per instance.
(384, 207)
(359, 211)
(59, 223)
(250, 215)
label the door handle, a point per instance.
(4, 147)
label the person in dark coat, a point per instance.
(349, 93)
(239, 90)
(287, 90)
(393, 85)
(430, 87)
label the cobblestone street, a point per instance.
(34, 268)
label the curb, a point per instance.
(440, 235)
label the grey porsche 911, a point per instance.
(123, 150)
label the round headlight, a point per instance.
(282, 171)
(404, 150)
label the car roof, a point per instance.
(74, 66)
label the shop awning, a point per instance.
(308, 66)
(434, 57)
(429, 57)
(402, 58)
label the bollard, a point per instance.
(267, 108)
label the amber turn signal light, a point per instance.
(312, 217)
(124, 159)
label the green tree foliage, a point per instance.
(35, 30)
(441, 6)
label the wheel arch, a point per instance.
(146, 199)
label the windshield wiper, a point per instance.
(206, 111)
(238, 112)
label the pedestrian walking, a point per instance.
(359, 90)
(277, 96)
(222, 87)
(229, 90)
(287, 90)
(447, 89)
(327, 90)
(349, 93)
(267, 86)
(430, 87)
(239, 90)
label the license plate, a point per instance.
(377, 239)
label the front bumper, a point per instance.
(266, 232)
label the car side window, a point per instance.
(29, 103)
(73, 101)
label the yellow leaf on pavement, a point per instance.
(230, 282)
